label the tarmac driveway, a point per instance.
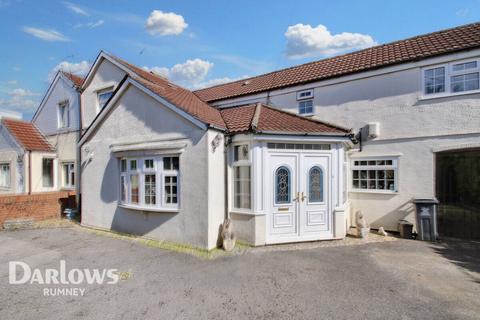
(390, 280)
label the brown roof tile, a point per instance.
(178, 96)
(77, 81)
(419, 47)
(263, 118)
(27, 135)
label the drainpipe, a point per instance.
(78, 171)
(29, 172)
(228, 140)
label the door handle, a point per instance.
(303, 196)
(297, 197)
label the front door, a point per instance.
(299, 185)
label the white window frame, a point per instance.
(242, 163)
(99, 92)
(53, 173)
(449, 73)
(8, 179)
(63, 123)
(141, 170)
(306, 113)
(305, 94)
(66, 176)
(369, 167)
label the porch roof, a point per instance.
(261, 118)
(27, 135)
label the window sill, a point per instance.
(373, 191)
(447, 95)
(150, 209)
(247, 213)
(67, 188)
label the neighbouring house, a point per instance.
(27, 161)
(58, 118)
(274, 152)
(159, 162)
(415, 106)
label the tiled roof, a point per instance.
(27, 135)
(178, 96)
(77, 81)
(412, 49)
(263, 118)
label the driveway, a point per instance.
(389, 280)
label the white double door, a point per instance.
(299, 193)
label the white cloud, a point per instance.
(12, 82)
(19, 92)
(165, 23)
(79, 68)
(73, 7)
(189, 74)
(90, 25)
(462, 12)
(217, 81)
(307, 41)
(20, 100)
(45, 34)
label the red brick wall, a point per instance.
(36, 206)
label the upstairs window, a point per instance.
(63, 115)
(5, 175)
(305, 94)
(452, 78)
(305, 107)
(435, 80)
(103, 96)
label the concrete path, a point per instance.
(387, 280)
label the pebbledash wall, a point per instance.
(38, 206)
(412, 128)
(138, 119)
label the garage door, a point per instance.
(458, 190)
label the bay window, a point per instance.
(375, 174)
(452, 78)
(241, 177)
(150, 182)
(5, 175)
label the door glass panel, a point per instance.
(282, 185)
(315, 185)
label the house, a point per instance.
(274, 152)
(58, 118)
(27, 160)
(160, 162)
(415, 107)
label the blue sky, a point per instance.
(198, 43)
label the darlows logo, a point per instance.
(21, 273)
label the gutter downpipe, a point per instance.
(29, 172)
(228, 140)
(78, 171)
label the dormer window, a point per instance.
(63, 115)
(103, 97)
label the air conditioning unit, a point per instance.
(373, 130)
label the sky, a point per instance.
(198, 43)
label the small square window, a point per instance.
(103, 97)
(170, 163)
(133, 164)
(149, 164)
(241, 152)
(305, 107)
